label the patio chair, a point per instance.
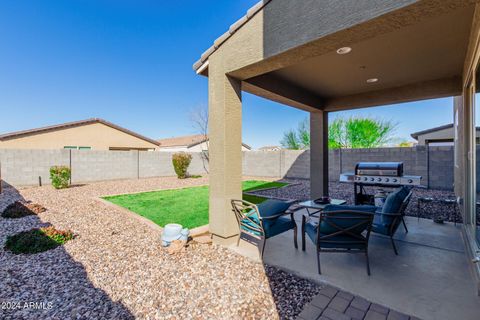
(258, 223)
(341, 229)
(387, 221)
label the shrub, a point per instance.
(37, 240)
(181, 161)
(60, 176)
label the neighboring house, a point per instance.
(270, 148)
(193, 143)
(94, 134)
(443, 135)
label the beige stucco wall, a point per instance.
(441, 135)
(97, 136)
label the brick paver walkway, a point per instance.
(334, 304)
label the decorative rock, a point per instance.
(114, 269)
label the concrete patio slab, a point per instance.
(429, 279)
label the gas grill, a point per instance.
(377, 174)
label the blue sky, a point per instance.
(130, 62)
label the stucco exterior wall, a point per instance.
(282, 30)
(441, 135)
(445, 134)
(97, 136)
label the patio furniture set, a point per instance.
(331, 225)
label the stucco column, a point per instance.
(318, 154)
(225, 152)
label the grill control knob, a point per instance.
(394, 180)
(410, 181)
(365, 179)
(379, 179)
(387, 180)
(372, 179)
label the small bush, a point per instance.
(181, 161)
(20, 210)
(37, 240)
(60, 176)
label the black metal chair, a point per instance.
(388, 223)
(258, 223)
(344, 229)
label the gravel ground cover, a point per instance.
(290, 292)
(300, 189)
(116, 269)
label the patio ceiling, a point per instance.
(421, 61)
(416, 51)
(431, 50)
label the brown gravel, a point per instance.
(116, 269)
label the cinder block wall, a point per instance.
(103, 165)
(435, 167)
(24, 167)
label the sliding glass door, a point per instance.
(475, 157)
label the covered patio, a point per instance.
(341, 55)
(429, 279)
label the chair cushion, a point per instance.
(341, 241)
(379, 227)
(330, 215)
(272, 207)
(393, 203)
(278, 226)
(271, 227)
(252, 223)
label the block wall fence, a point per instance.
(29, 167)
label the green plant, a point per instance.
(181, 161)
(297, 139)
(353, 132)
(360, 132)
(60, 176)
(37, 240)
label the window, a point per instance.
(77, 148)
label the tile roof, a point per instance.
(233, 28)
(188, 141)
(18, 134)
(270, 147)
(182, 141)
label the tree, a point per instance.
(199, 119)
(353, 132)
(297, 139)
(405, 144)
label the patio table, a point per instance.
(312, 209)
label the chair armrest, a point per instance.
(392, 214)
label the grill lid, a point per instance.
(394, 169)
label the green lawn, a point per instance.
(187, 206)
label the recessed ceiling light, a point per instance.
(344, 50)
(372, 80)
